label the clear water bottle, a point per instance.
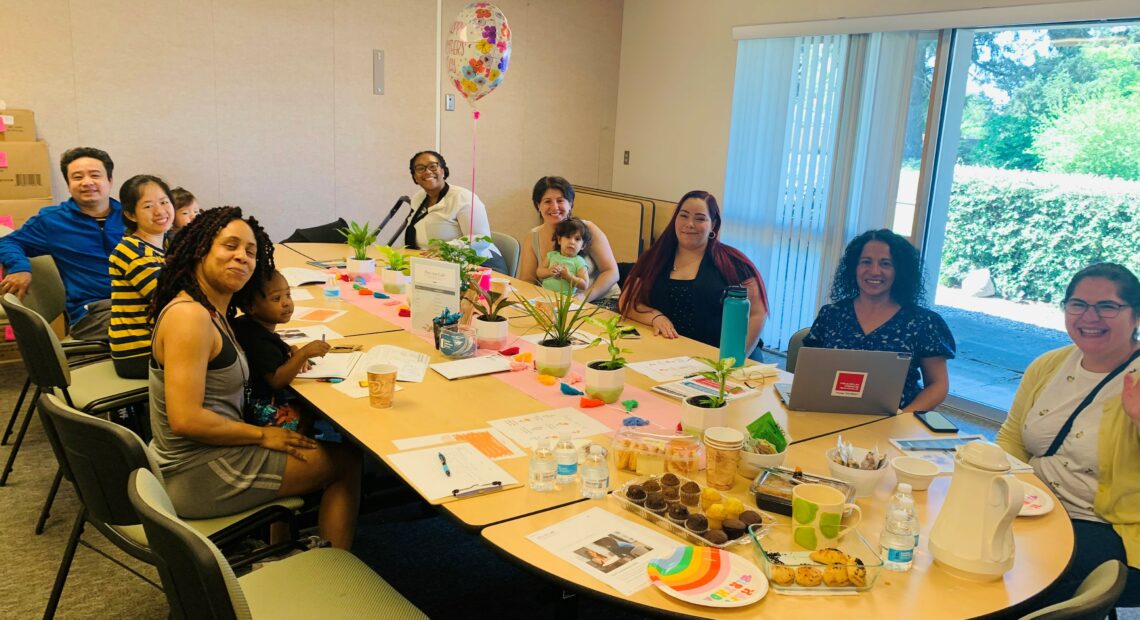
(899, 539)
(567, 458)
(595, 474)
(734, 323)
(542, 467)
(332, 288)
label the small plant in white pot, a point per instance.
(359, 238)
(605, 379)
(491, 328)
(708, 410)
(394, 277)
(561, 316)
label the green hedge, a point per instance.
(1034, 230)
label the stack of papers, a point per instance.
(700, 386)
(412, 368)
(331, 366)
(472, 367)
(467, 469)
(299, 276)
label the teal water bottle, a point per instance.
(734, 323)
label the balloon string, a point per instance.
(471, 214)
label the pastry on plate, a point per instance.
(808, 576)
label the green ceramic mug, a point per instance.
(817, 516)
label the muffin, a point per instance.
(636, 494)
(733, 528)
(670, 480)
(672, 495)
(716, 537)
(691, 494)
(733, 507)
(697, 524)
(709, 497)
(651, 486)
(678, 514)
(750, 517)
(655, 503)
(716, 515)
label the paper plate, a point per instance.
(1037, 502)
(708, 576)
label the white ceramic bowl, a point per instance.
(916, 472)
(864, 480)
(751, 463)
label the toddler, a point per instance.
(564, 270)
(185, 209)
(273, 364)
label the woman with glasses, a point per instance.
(1076, 420)
(877, 305)
(444, 211)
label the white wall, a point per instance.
(268, 104)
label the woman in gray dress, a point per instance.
(214, 463)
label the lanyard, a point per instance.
(1068, 426)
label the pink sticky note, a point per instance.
(3, 127)
(9, 334)
(3, 159)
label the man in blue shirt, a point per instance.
(79, 234)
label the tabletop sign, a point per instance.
(849, 384)
(435, 286)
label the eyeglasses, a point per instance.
(422, 168)
(1103, 309)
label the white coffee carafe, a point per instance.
(973, 534)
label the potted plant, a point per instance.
(491, 327)
(394, 277)
(359, 238)
(460, 252)
(605, 379)
(558, 320)
(708, 410)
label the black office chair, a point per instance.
(325, 233)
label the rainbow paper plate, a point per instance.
(708, 576)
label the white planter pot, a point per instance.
(604, 385)
(492, 334)
(694, 419)
(363, 267)
(554, 361)
(394, 281)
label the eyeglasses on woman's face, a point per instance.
(422, 168)
(1103, 309)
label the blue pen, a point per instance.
(443, 461)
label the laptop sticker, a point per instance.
(849, 384)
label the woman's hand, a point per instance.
(1130, 397)
(662, 326)
(287, 441)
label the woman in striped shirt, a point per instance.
(134, 265)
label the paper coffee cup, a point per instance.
(381, 385)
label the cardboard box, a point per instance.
(18, 125)
(21, 210)
(25, 170)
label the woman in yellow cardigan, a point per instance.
(1082, 441)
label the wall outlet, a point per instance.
(449, 103)
(625, 158)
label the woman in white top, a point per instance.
(443, 211)
(553, 198)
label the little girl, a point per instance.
(565, 271)
(273, 364)
(185, 209)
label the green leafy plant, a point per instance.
(459, 252)
(396, 259)
(491, 304)
(563, 318)
(612, 332)
(359, 238)
(720, 370)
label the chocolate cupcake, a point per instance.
(651, 486)
(636, 494)
(691, 487)
(716, 537)
(678, 514)
(670, 480)
(655, 503)
(733, 528)
(672, 496)
(697, 524)
(749, 517)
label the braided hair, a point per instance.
(191, 245)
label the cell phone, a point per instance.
(631, 332)
(936, 421)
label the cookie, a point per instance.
(835, 576)
(857, 573)
(782, 575)
(829, 555)
(808, 576)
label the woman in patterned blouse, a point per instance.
(875, 305)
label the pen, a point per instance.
(443, 462)
(322, 337)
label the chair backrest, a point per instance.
(510, 248)
(794, 344)
(47, 295)
(325, 233)
(1094, 598)
(197, 580)
(38, 344)
(98, 457)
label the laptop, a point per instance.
(846, 381)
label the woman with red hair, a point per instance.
(677, 286)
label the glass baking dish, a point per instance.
(773, 488)
(852, 565)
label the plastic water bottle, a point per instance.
(567, 458)
(595, 474)
(900, 531)
(734, 323)
(542, 467)
(332, 288)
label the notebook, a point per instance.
(472, 367)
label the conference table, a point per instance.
(505, 518)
